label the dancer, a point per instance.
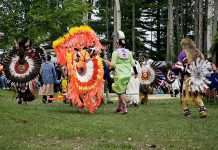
(190, 54)
(143, 88)
(151, 77)
(132, 91)
(85, 73)
(122, 61)
(22, 66)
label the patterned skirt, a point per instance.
(46, 89)
(187, 95)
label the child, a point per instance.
(64, 87)
(186, 57)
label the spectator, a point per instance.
(2, 78)
(212, 91)
(175, 86)
(106, 75)
(57, 85)
(48, 78)
(3, 84)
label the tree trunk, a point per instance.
(90, 14)
(118, 12)
(209, 27)
(196, 23)
(204, 42)
(170, 31)
(117, 20)
(85, 16)
(158, 30)
(178, 34)
(215, 24)
(133, 25)
(200, 9)
(115, 26)
(215, 17)
(182, 19)
(107, 20)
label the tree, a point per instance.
(153, 24)
(215, 18)
(133, 25)
(107, 20)
(200, 33)
(196, 22)
(42, 20)
(209, 27)
(117, 20)
(170, 30)
(150, 24)
(182, 18)
(214, 48)
(215, 26)
(177, 29)
(103, 25)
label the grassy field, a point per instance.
(158, 125)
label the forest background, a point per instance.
(151, 26)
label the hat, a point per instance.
(121, 35)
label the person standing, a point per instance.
(212, 91)
(49, 77)
(3, 84)
(175, 87)
(122, 61)
(57, 85)
(106, 65)
(144, 62)
(189, 54)
(132, 91)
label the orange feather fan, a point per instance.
(84, 89)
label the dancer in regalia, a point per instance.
(122, 61)
(151, 76)
(144, 88)
(132, 91)
(85, 73)
(195, 68)
(22, 65)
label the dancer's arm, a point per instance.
(114, 59)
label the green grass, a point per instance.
(59, 126)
